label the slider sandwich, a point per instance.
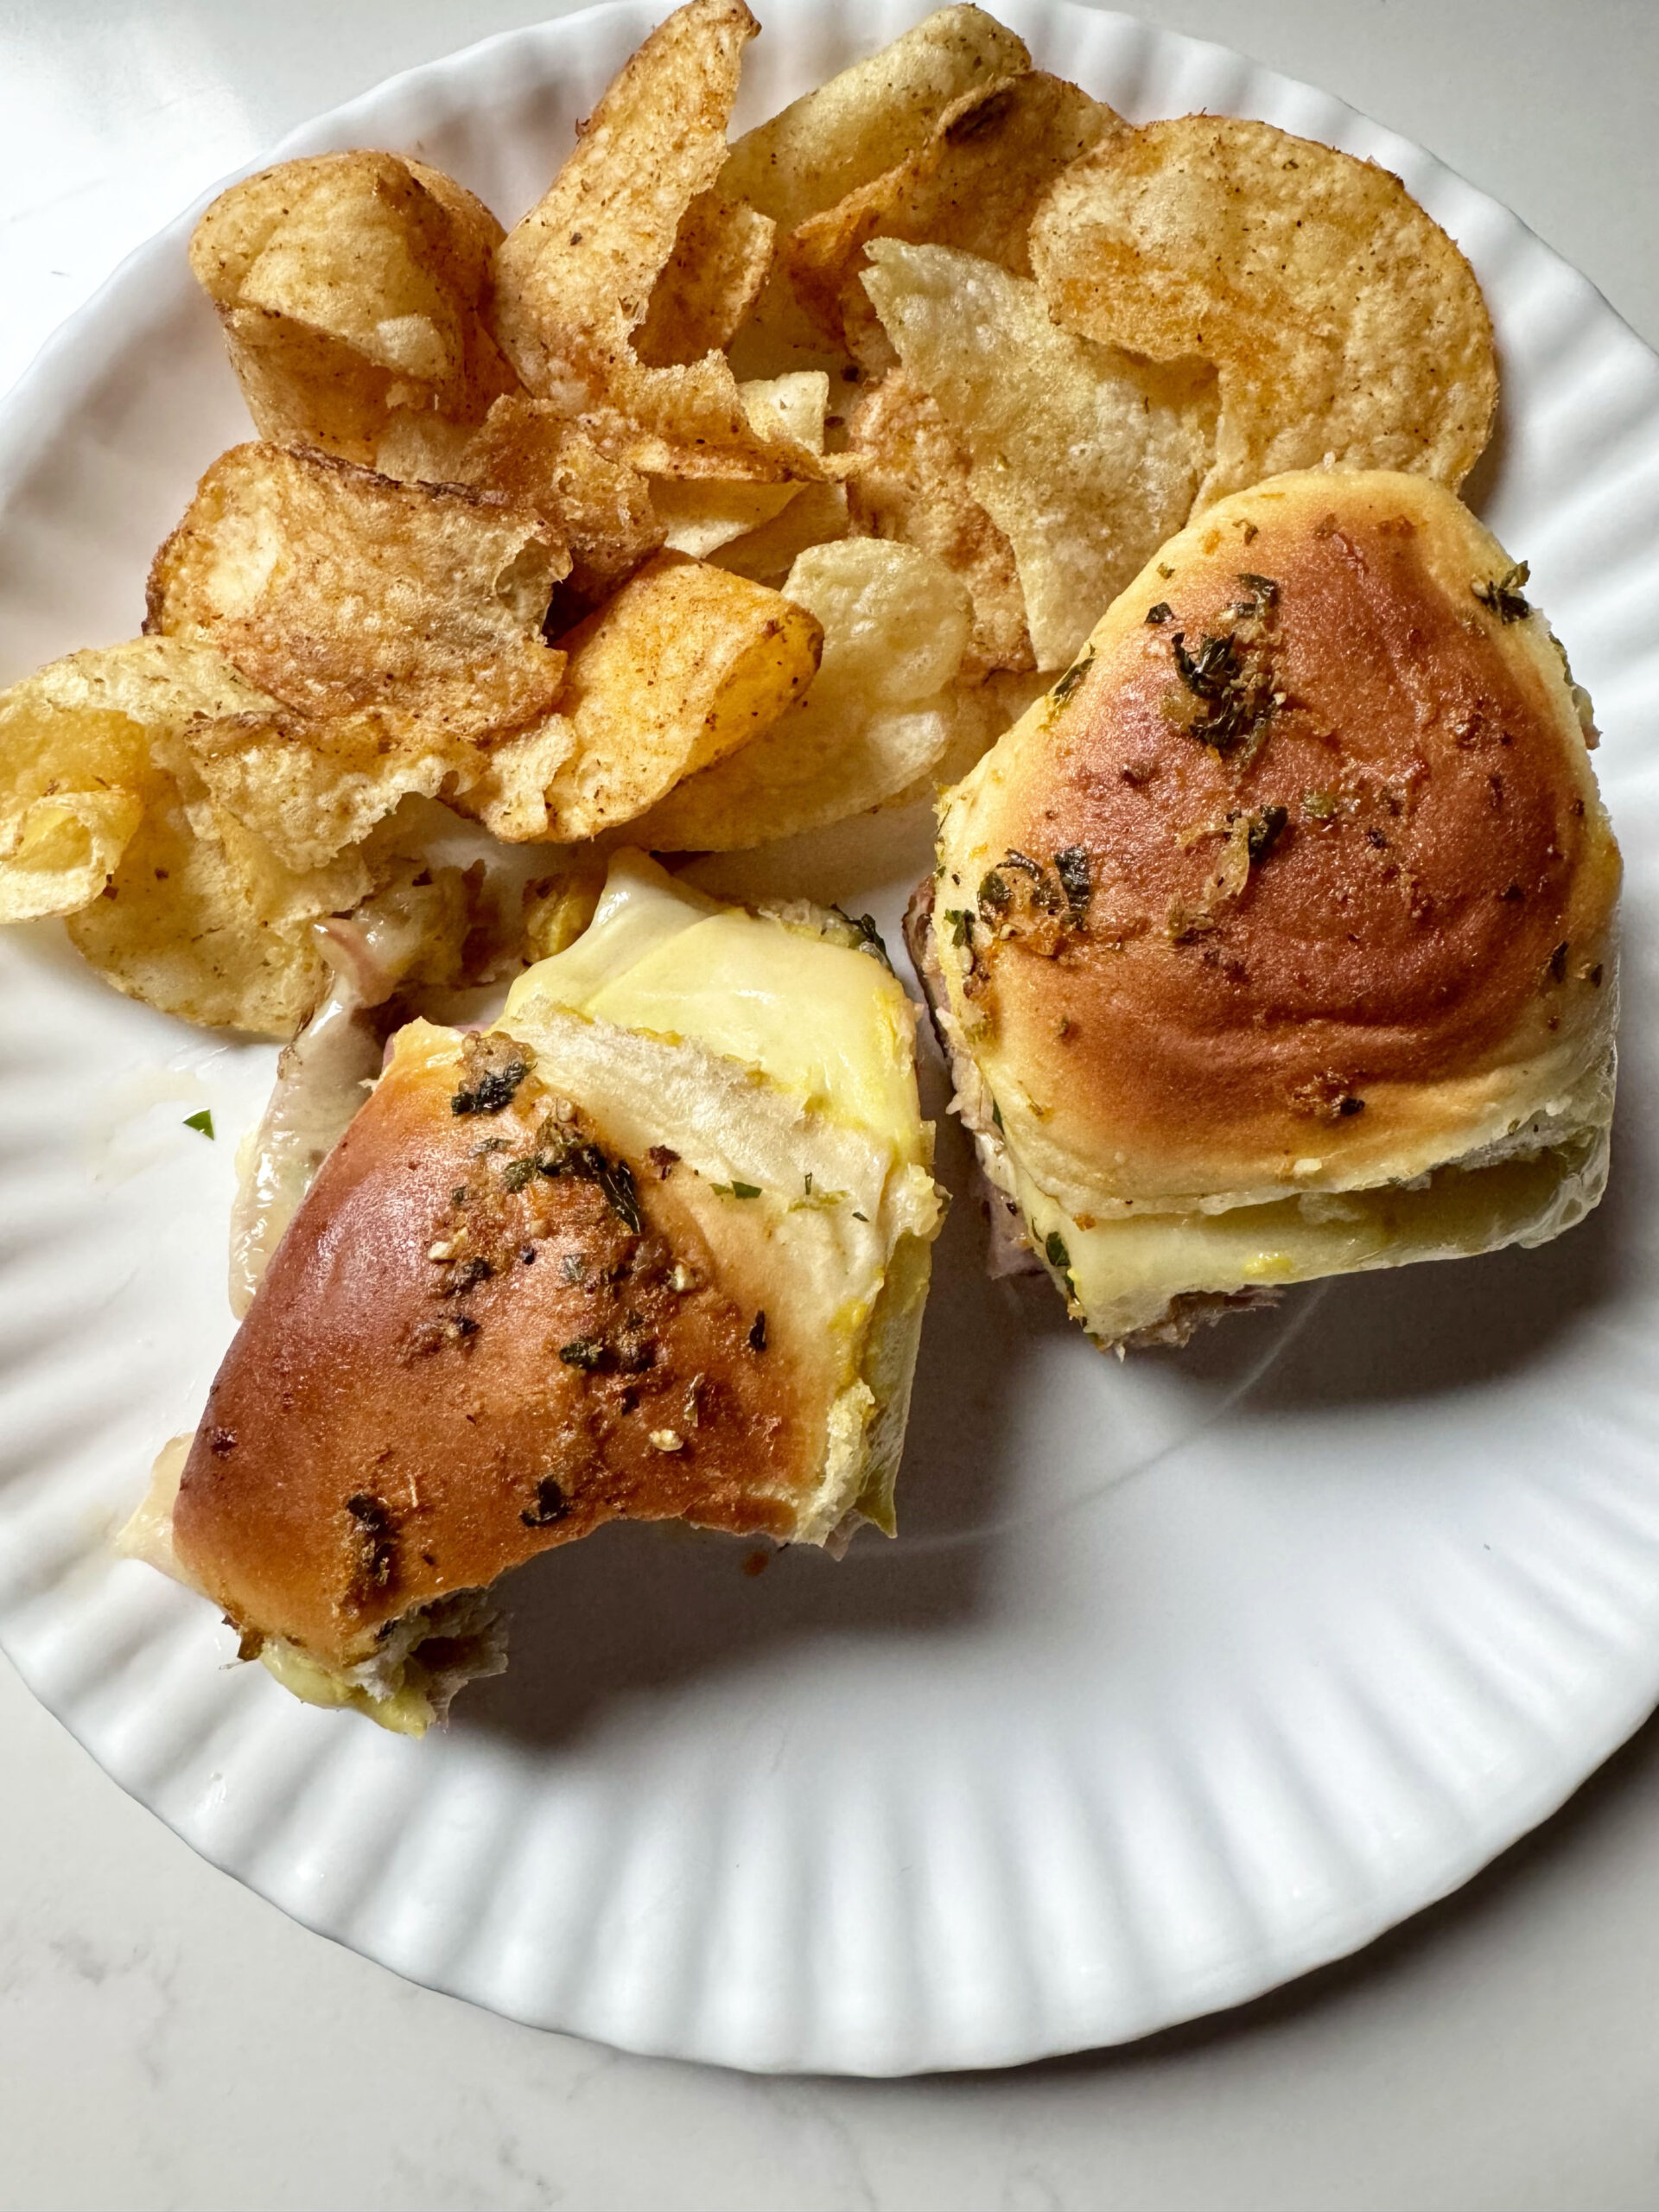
(1278, 940)
(655, 1246)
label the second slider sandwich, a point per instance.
(655, 1246)
(1277, 939)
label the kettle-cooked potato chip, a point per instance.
(312, 789)
(1341, 319)
(875, 719)
(869, 119)
(342, 594)
(721, 253)
(1086, 459)
(702, 514)
(916, 486)
(599, 505)
(349, 285)
(199, 920)
(683, 666)
(974, 183)
(509, 796)
(833, 142)
(816, 514)
(76, 762)
(575, 277)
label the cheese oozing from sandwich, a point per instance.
(655, 1246)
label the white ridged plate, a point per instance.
(1186, 1675)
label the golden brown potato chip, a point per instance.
(712, 277)
(702, 514)
(1086, 459)
(342, 594)
(305, 388)
(312, 789)
(211, 927)
(683, 666)
(870, 117)
(601, 507)
(510, 798)
(574, 278)
(349, 284)
(691, 422)
(876, 718)
(974, 183)
(916, 486)
(77, 743)
(833, 142)
(1343, 320)
(816, 514)
(423, 447)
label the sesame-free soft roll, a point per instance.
(655, 1246)
(1277, 939)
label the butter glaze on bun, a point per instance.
(1278, 938)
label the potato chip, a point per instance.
(510, 797)
(1343, 320)
(574, 277)
(795, 407)
(722, 254)
(76, 743)
(211, 928)
(869, 119)
(311, 790)
(703, 513)
(895, 622)
(683, 665)
(916, 487)
(974, 183)
(1086, 459)
(816, 514)
(305, 388)
(976, 715)
(342, 594)
(600, 506)
(691, 422)
(348, 285)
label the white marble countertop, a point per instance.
(169, 2042)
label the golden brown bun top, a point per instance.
(486, 1331)
(1335, 887)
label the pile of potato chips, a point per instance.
(739, 488)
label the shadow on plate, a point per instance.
(633, 1608)
(1485, 479)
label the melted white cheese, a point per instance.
(820, 1019)
(1122, 1276)
(779, 1064)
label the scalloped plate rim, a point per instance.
(44, 395)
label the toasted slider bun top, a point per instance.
(570, 1272)
(1299, 877)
